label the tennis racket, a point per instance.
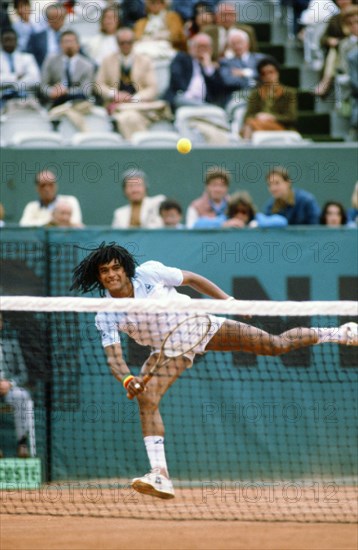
(184, 337)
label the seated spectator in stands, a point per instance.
(203, 14)
(2, 215)
(105, 42)
(333, 214)
(352, 60)
(342, 77)
(194, 77)
(226, 18)
(297, 205)
(46, 42)
(214, 201)
(19, 73)
(352, 212)
(39, 212)
(62, 215)
(240, 71)
(240, 213)
(171, 213)
(335, 31)
(270, 106)
(142, 211)
(127, 83)
(161, 32)
(26, 22)
(66, 82)
(13, 392)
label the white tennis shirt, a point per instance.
(156, 281)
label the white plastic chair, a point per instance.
(155, 139)
(284, 137)
(97, 139)
(36, 139)
(185, 120)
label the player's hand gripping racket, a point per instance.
(184, 337)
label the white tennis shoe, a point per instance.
(154, 484)
(350, 334)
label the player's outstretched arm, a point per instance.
(203, 285)
(120, 370)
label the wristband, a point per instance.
(230, 298)
(126, 380)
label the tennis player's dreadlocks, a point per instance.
(85, 275)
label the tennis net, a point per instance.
(247, 437)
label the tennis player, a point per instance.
(113, 271)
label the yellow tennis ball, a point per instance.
(184, 146)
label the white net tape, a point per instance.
(131, 305)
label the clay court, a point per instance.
(73, 533)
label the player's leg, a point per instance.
(157, 482)
(235, 336)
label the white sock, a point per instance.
(332, 334)
(155, 451)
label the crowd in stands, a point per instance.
(210, 55)
(217, 207)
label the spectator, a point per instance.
(13, 379)
(161, 32)
(297, 205)
(46, 42)
(240, 213)
(142, 211)
(353, 79)
(26, 22)
(240, 71)
(333, 214)
(171, 213)
(226, 18)
(38, 213)
(336, 30)
(214, 201)
(67, 80)
(352, 213)
(19, 74)
(127, 83)
(105, 42)
(342, 77)
(203, 14)
(194, 77)
(2, 215)
(270, 106)
(62, 214)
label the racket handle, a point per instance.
(145, 380)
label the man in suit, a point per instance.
(127, 83)
(194, 77)
(46, 42)
(239, 72)
(67, 81)
(142, 211)
(226, 18)
(19, 74)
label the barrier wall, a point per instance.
(94, 176)
(89, 413)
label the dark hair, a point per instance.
(17, 3)
(8, 30)
(322, 219)
(217, 172)
(280, 171)
(208, 8)
(85, 275)
(241, 199)
(70, 33)
(269, 60)
(169, 204)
